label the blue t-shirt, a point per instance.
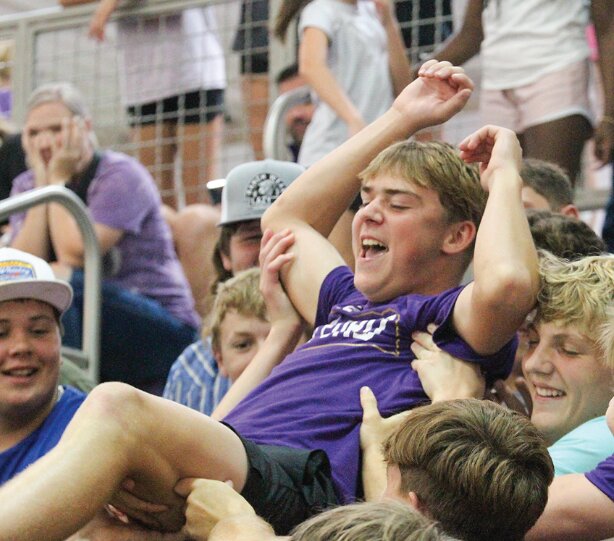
(311, 400)
(603, 477)
(43, 439)
(583, 448)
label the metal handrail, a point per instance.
(274, 135)
(90, 345)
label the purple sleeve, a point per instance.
(122, 195)
(338, 285)
(22, 183)
(495, 366)
(603, 477)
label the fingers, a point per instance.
(185, 486)
(274, 244)
(369, 404)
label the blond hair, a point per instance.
(240, 293)
(373, 521)
(579, 293)
(437, 166)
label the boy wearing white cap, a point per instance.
(34, 409)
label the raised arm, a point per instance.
(286, 324)
(602, 12)
(398, 61)
(466, 42)
(490, 310)
(311, 206)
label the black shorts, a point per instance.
(252, 37)
(286, 486)
(190, 108)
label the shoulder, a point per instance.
(320, 14)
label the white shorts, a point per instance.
(554, 96)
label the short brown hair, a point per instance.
(563, 236)
(437, 166)
(373, 521)
(548, 180)
(480, 470)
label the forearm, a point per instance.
(282, 339)
(373, 473)
(466, 42)
(33, 236)
(576, 510)
(398, 61)
(506, 277)
(68, 3)
(65, 236)
(603, 18)
(321, 194)
(242, 528)
(323, 82)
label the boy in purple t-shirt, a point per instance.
(413, 239)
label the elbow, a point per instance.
(512, 289)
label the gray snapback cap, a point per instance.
(252, 187)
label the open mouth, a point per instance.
(371, 248)
(548, 392)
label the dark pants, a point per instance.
(139, 339)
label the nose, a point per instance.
(19, 343)
(537, 360)
(371, 211)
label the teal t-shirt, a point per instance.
(583, 448)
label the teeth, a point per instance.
(548, 393)
(370, 243)
(24, 372)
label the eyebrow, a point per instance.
(390, 192)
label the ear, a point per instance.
(226, 262)
(570, 210)
(217, 355)
(414, 500)
(459, 237)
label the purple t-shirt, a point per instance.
(311, 400)
(123, 196)
(603, 477)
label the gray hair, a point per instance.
(64, 93)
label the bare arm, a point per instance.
(491, 309)
(603, 17)
(286, 325)
(313, 51)
(576, 510)
(465, 43)
(311, 206)
(398, 61)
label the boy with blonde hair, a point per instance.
(298, 448)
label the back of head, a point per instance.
(480, 470)
(436, 166)
(25, 276)
(579, 293)
(59, 92)
(549, 181)
(377, 521)
(240, 293)
(563, 236)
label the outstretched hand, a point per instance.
(439, 92)
(494, 148)
(375, 429)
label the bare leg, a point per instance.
(256, 98)
(560, 141)
(195, 233)
(200, 150)
(119, 432)
(156, 151)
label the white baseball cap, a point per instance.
(252, 187)
(25, 276)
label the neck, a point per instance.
(17, 425)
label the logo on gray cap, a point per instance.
(263, 189)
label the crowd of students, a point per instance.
(451, 381)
